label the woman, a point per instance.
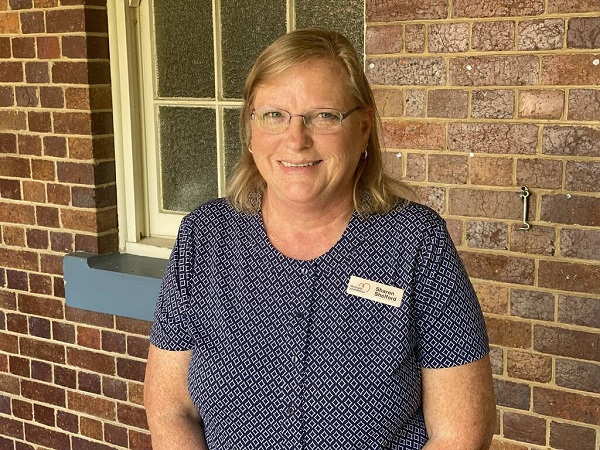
(315, 308)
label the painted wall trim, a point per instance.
(119, 284)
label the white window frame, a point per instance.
(143, 229)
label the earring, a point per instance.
(365, 153)
(250, 149)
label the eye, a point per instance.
(272, 115)
(326, 115)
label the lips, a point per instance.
(306, 164)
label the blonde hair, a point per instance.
(374, 191)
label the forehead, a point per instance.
(311, 80)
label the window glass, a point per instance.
(188, 157)
(184, 48)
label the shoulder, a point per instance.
(411, 218)
(211, 216)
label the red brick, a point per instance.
(22, 410)
(15, 167)
(10, 189)
(7, 96)
(394, 10)
(41, 306)
(14, 236)
(43, 169)
(58, 194)
(5, 49)
(32, 22)
(529, 366)
(573, 69)
(450, 103)
(44, 350)
(570, 141)
(47, 216)
(114, 388)
(583, 32)
(37, 72)
(492, 104)
(493, 36)
(89, 382)
(414, 38)
(509, 333)
(10, 21)
(46, 437)
(90, 317)
(488, 204)
(447, 169)
(23, 47)
(138, 440)
(571, 437)
(18, 259)
(116, 435)
(541, 104)
(34, 191)
(52, 97)
(579, 311)
(579, 375)
(13, 120)
(407, 71)
(572, 6)
(48, 47)
(10, 344)
(571, 210)
(44, 415)
(94, 361)
(43, 392)
(491, 171)
(79, 173)
(16, 323)
(40, 284)
(582, 176)
(569, 343)
(91, 428)
(39, 327)
(64, 332)
(39, 122)
(67, 421)
(37, 239)
(55, 146)
(499, 8)
(8, 143)
(384, 39)
(11, 72)
(51, 264)
(30, 145)
(10, 427)
(133, 326)
(26, 96)
(540, 34)
(389, 102)
(414, 135)
(493, 138)
(65, 377)
(524, 428)
(434, 197)
(448, 37)
(415, 167)
(539, 173)
(493, 299)
(538, 240)
(136, 393)
(486, 234)
(132, 415)
(520, 70)
(10, 384)
(584, 104)
(130, 369)
(566, 405)
(578, 243)
(513, 395)
(91, 405)
(570, 277)
(137, 346)
(91, 148)
(65, 21)
(88, 337)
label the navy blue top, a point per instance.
(284, 358)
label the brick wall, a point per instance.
(68, 378)
(479, 99)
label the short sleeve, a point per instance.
(449, 318)
(170, 330)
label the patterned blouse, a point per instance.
(319, 354)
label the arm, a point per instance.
(459, 406)
(173, 419)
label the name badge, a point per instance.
(377, 292)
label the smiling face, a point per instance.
(301, 168)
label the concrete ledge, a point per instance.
(118, 284)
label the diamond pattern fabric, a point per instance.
(284, 358)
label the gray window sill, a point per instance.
(118, 284)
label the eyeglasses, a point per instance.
(318, 121)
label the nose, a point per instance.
(298, 134)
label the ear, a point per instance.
(366, 122)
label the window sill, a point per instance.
(118, 284)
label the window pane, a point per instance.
(184, 48)
(188, 157)
(233, 146)
(344, 16)
(247, 28)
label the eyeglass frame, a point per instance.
(343, 116)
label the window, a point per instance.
(178, 70)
